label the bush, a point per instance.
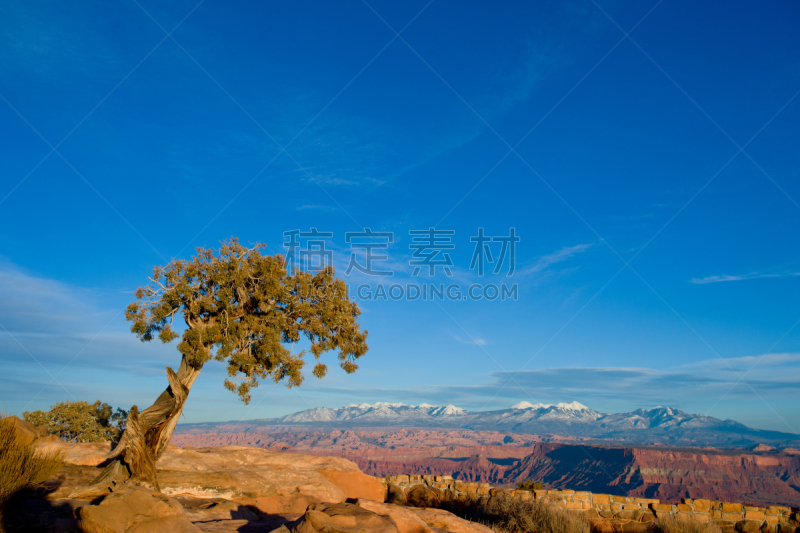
(81, 421)
(509, 515)
(21, 467)
(673, 525)
(529, 485)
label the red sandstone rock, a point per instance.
(407, 521)
(274, 482)
(81, 454)
(135, 510)
(341, 518)
(27, 433)
(438, 518)
(356, 484)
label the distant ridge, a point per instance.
(659, 425)
(381, 411)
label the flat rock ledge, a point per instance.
(230, 488)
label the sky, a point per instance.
(642, 155)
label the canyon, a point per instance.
(764, 476)
(274, 488)
(662, 453)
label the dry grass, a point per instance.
(21, 467)
(509, 515)
(674, 525)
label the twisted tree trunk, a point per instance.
(146, 436)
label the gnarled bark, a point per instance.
(146, 436)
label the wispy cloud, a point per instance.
(317, 208)
(695, 387)
(54, 329)
(768, 373)
(55, 321)
(561, 255)
(742, 277)
(473, 341)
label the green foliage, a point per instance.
(21, 467)
(670, 524)
(242, 307)
(81, 421)
(509, 515)
(529, 485)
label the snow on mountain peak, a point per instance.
(449, 410)
(532, 417)
(665, 409)
(572, 406)
(528, 405)
(375, 405)
(357, 405)
(398, 408)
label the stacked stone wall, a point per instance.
(621, 514)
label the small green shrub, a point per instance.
(509, 515)
(529, 485)
(21, 466)
(81, 421)
(673, 525)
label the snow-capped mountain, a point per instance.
(659, 424)
(658, 417)
(574, 406)
(448, 410)
(380, 412)
(566, 412)
(318, 414)
(520, 415)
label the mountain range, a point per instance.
(659, 425)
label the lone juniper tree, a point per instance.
(242, 308)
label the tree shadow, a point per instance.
(32, 510)
(38, 510)
(268, 522)
(213, 513)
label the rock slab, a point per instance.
(271, 481)
(341, 518)
(135, 509)
(444, 520)
(407, 521)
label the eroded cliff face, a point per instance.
(663, 474)
(360, 439)
(650, 473)
(731, 477)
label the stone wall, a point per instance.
(620, 513)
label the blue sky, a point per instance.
(645, 153)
